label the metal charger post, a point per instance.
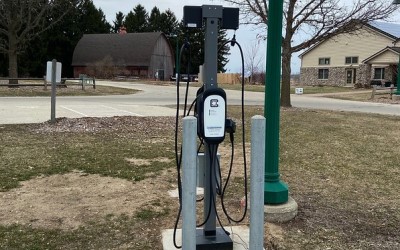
(212, 17)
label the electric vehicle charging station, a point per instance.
(210, 103)
(211, 115)
(202, 167)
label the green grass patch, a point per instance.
(70, 90)
(322, 89)
(306, 89)
(104, 152)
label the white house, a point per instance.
(369, 55)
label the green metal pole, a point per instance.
(275, 191)
(398, 64)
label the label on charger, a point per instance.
(214, 116)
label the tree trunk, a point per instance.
(286, 71)
(12, 58)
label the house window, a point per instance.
(351, 60)
(324, 61)
(323, 74)
(379, 73)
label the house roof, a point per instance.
(393, 49)
(391, 30)
(132, 49)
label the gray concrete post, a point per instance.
(53, 90)
(257, 182)
(189, 171)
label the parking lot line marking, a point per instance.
(74, 111)
(27, 107)
(121, 110)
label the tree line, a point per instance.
(33, 32)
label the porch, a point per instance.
(381, 69)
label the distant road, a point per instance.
(154, 100)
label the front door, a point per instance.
(350, 76)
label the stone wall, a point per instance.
(389, 74)
(366, 73)
(337, 77)
(363, 75)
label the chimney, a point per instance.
(122, 30)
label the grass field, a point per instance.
(71, 90)
(75, 90)
(306, 89)
(109, 178)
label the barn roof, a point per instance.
(131, 49)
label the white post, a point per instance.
(257, 182)
(189, 157)
(53, 90)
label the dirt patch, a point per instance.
(147, 162)
(237, 170)
(147, 126)
(273, 235)
(71, 200)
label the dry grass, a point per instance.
(380, 97)
(342, 169)
(70, 90)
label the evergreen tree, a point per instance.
(59, 42)
(155, 22)
(168, 24)
(91, 19)
(196, 37)
(137, 20)
(192, 57)
(118, 22)
(223, 52)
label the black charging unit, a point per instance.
(211, 115)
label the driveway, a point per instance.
(154, 100)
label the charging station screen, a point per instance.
(214, 116)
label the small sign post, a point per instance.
(53, 75)
(298, 91)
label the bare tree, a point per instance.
(253, 60)
(22, 20)
(316, 20)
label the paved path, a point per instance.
(154, 100)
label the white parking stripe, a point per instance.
(121, 110)
(74, 111)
